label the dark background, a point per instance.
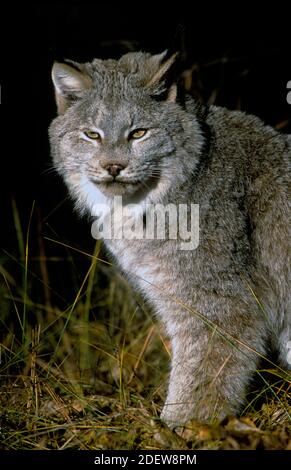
(242, 57)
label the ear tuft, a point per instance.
(163, 80)
(163, 68)
(69, 83)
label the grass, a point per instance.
(84, 364)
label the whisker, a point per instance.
(143, 183)
(164, 177)
(49, 171)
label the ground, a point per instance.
(91, 373)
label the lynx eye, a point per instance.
(137, 134)
(92, 135)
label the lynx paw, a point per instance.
(175, 415)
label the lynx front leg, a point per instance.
(210, 374)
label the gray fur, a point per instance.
(224, 302)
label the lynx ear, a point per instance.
(69, 83)
(163, 79)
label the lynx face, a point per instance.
(118, 129)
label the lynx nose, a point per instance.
(114, 169)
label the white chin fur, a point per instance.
(89, 197)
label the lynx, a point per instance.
(126, 128)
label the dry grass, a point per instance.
(90, 373)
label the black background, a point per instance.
(85, 459)
(254, 41)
